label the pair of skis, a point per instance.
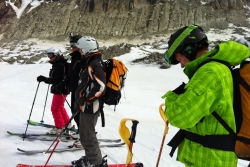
(130, 144)
(34, 123)
(109, 165)
(69, 148)
(47, 137)
(64, 138)
(128, 138)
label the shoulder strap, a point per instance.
(244, 84)
(102, 113)
(237, 79)
(223, 123)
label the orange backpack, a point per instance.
(116, 73)
(241, 104)
(242, 146)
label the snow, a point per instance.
(24, 4)
(141, 99)
(19, 11)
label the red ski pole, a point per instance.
(51, 153)
(57, 140)
(165, 132)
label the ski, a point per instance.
(34, 123)
(68, 138)
(48, 137)
(34, 134)
(109, 165)
(69, 148)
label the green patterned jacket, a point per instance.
(209, 89)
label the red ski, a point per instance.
(109, 165)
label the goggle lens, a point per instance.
(166, 57)
(50, 55)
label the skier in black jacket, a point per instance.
(91, 87)
(56, 75)
(73, 73)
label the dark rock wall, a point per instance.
(118, 18)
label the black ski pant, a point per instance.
(73, 103)
(88, 137)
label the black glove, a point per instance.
(81, 100)
(180, 89)
(41, 78)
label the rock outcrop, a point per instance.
(106, 19)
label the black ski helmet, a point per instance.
(74, 39)
(187, 41)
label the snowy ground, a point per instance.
(145, 85)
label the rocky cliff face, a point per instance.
(118, 18)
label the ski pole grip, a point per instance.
(133, 131)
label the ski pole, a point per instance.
(45, 103)
(66, 100)
(51, 153)
(63, 130)
(68, 103)
(165, 131)
(57, 140)
(31, 110)
(128, 138)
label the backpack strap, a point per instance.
(219, 142)
(102, 113)
(243, 139)
(222, 122)
(244, 84)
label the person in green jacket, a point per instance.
(210, 88)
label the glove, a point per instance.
(180, 89)
(41, 78)
(81, 100)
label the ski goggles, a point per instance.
(50, 55)
(170, 52)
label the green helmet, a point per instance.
(187, 41)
